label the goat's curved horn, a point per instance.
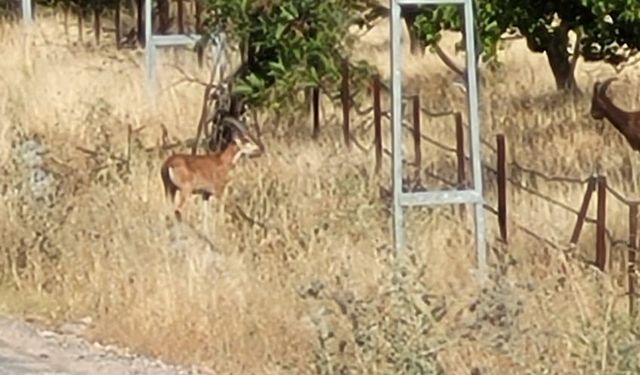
(234, 122)
(605, 85)
(231, 121)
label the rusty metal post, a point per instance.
(198, 15)
(377, 121)
(582, 214)
(140, 22)
(181, 16)
(346, 103)
(116, 22)
(462, 180)
(502, 186)
(633, 247)
(315, 104)
(81, 24)
(601, 245)
(416, 136)
(97, 24)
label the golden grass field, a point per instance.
(311, 290)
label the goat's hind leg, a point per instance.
(182, 199)
(174, 204)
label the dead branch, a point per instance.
(95, 154)
(87, 151)
(188, 78)
(448, 61)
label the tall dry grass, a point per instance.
(310, 287)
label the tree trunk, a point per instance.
(560, 61)
(97, 25)
(80, 24)
(163, 13)
(462, 46)
(66, 6)
(140, 23)
(116, 21)
(417, 45)
(180, 16)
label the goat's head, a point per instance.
(247, 144)
(598, 107)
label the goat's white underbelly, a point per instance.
(172, 176)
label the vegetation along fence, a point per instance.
(596, 183)
(170, 17)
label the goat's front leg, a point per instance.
(236, 157)
(220, 191)
(206, 202)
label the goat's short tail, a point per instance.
(169, 187)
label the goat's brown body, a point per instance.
(197, 174)
(627, 123)
(207, 174)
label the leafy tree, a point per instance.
(285, 45)
(608, 30)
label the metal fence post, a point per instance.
(601, 246)
(582, 214)
(377, 122)
(502, 186)
(416, 136)
(345, 96)
(633, 247)
(27, 12)
(315, 104)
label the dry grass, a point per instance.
(310, 291)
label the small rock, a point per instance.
(76, 329)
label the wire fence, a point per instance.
(503, 173)
(127, 25)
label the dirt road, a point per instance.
(27, 350)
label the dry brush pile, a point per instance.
(307, 285)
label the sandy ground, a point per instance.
(26, 349)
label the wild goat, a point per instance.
(207, 174)
(627, 123)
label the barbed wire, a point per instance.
(613, 242)
(555, 202)
(565, 179)
(549, 178)
(494, 211)
(536, 193)
(514, 165)
(621, 198)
